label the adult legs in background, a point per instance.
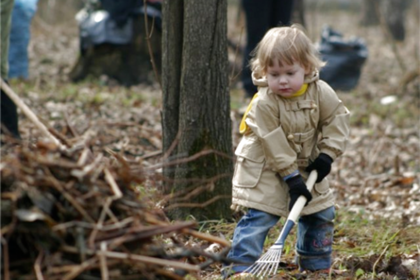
(260, 16)
(20, 35)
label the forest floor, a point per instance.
(376, 181)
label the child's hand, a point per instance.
(322, 164)
(297, 187)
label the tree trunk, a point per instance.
(392, 12)
(369, 16)
(196, 108)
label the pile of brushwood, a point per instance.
(75, 214)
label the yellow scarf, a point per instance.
(299, 92)
(243, 127)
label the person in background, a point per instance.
(20, 34)
(260, 16)
(9, 115)
(294, 124)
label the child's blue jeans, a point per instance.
(314, 240)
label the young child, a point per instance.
(293, 125)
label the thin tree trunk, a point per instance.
(394, 12)
(368, 15)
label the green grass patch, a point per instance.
(362, 249)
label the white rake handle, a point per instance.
(269, 262)
(301, 201)
(296, 210)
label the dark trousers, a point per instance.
(9, 116)
(261, 15)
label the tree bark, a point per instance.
(196, 107)
(369, 16)
(393, 13)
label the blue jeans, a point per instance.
(314, 240)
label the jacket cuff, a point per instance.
(329, 153)
(289, 170)
(326, 158)
(293, 174)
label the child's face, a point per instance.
(285, 80)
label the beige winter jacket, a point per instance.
(284, 135)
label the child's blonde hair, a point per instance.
(285, 45)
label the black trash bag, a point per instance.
(344, 59)
(120, 11)
(98, 27)
(113, 22)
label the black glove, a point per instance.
(322, 164)
(297, 187)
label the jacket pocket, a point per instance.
(249, 165)
(247, 173)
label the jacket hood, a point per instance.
(261, 81)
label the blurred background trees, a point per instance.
(129, 63)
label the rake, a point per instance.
(268, 263)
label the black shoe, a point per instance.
(9, 116)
